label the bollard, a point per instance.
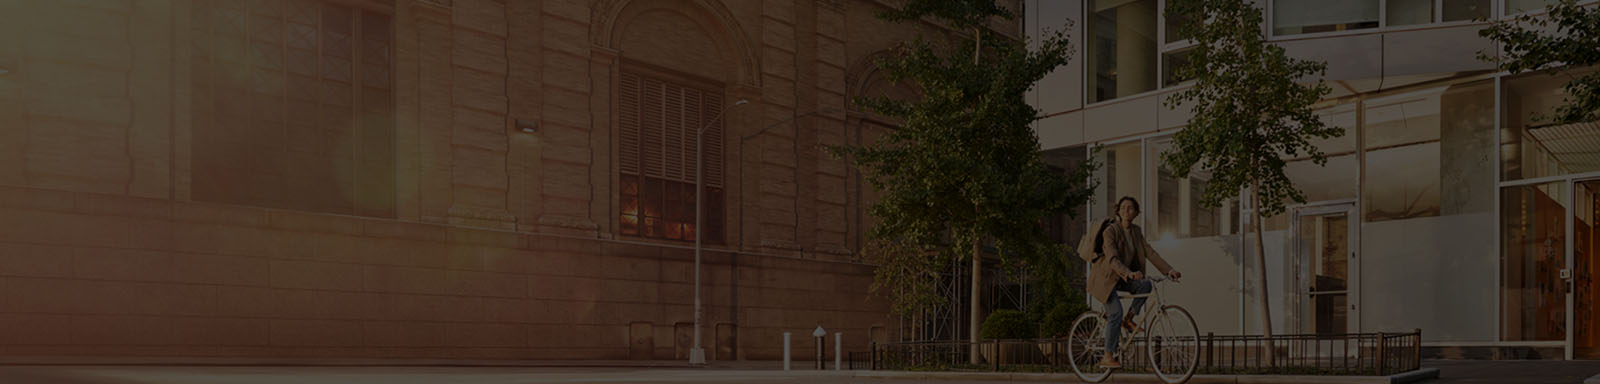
(838, 348)
(819, 334)
(785, 351)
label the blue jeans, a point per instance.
(1114, 310)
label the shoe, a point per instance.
(1110, 364)
(1128, 325)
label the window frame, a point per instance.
(714, 209)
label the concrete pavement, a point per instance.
(1513, 371)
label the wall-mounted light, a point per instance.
(527, 126)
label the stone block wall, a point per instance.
(499, 236)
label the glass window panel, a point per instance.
(1409, 12)
(1170, 62)
(1175, 211)
(1531, 146)
(1519, 6)
(1119, 175)
(1425, 153)
(1066, 228)
(1290, 17)
(1532, 249)
(1458, 10)
(1173, 21)
(1335, 180)
(1122, 48)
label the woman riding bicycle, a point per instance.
(1121, 268)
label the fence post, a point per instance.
(1381, 347)
(1416, 351)
(997, 353)
(872, 359)
(838, 349)
(1210, 336)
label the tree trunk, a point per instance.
(1261, 268)
(977, 275)
(977, 49)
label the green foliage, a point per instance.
(1007, 324)
(1249, 111)
(963, 166)
(1574, 42)
(961, 14)
(1056, 321)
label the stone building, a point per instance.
(487, 179)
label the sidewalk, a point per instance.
(1515, 371)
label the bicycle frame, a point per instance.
(1145, 315)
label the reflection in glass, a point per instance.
(1425, 152)
(1586, 242)
(1531, 146)
(1119, 175)
(1459, 10)
(1122, 48)
(1519, 6)
(1170, 62)
(1323, 268)
(1292, 17)
(1532, 248)
(1337, 179)
(1176, 208)
(1409, 12)
(1062, 228)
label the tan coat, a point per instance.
(1118, 244)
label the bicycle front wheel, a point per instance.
(1086, 345)
(1173, 344)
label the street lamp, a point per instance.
(697, 355)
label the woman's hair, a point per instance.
(1135, 202)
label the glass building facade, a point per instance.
(1450, 203)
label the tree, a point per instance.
(1249, 112)
(1573, 43)
(962, 170)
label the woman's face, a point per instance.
(1127, 211)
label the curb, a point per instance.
(1415, 376)
(296, 362)
(1401, 378)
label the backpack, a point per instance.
(1089, 248)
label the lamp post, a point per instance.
(697, 355)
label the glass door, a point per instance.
(1533, 243)
(1581, 271)
(1324, 269)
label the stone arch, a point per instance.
(610, 17)
(864, 78)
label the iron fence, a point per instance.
(1377, 354)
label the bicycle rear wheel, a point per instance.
(1173, 344)
(1086, 345)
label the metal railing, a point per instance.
(1364, 354)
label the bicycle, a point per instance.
(1170, 336)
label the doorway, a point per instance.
(1585, 326)
(1324, 269)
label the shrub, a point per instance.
(1006, 324)
(1057, 321)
